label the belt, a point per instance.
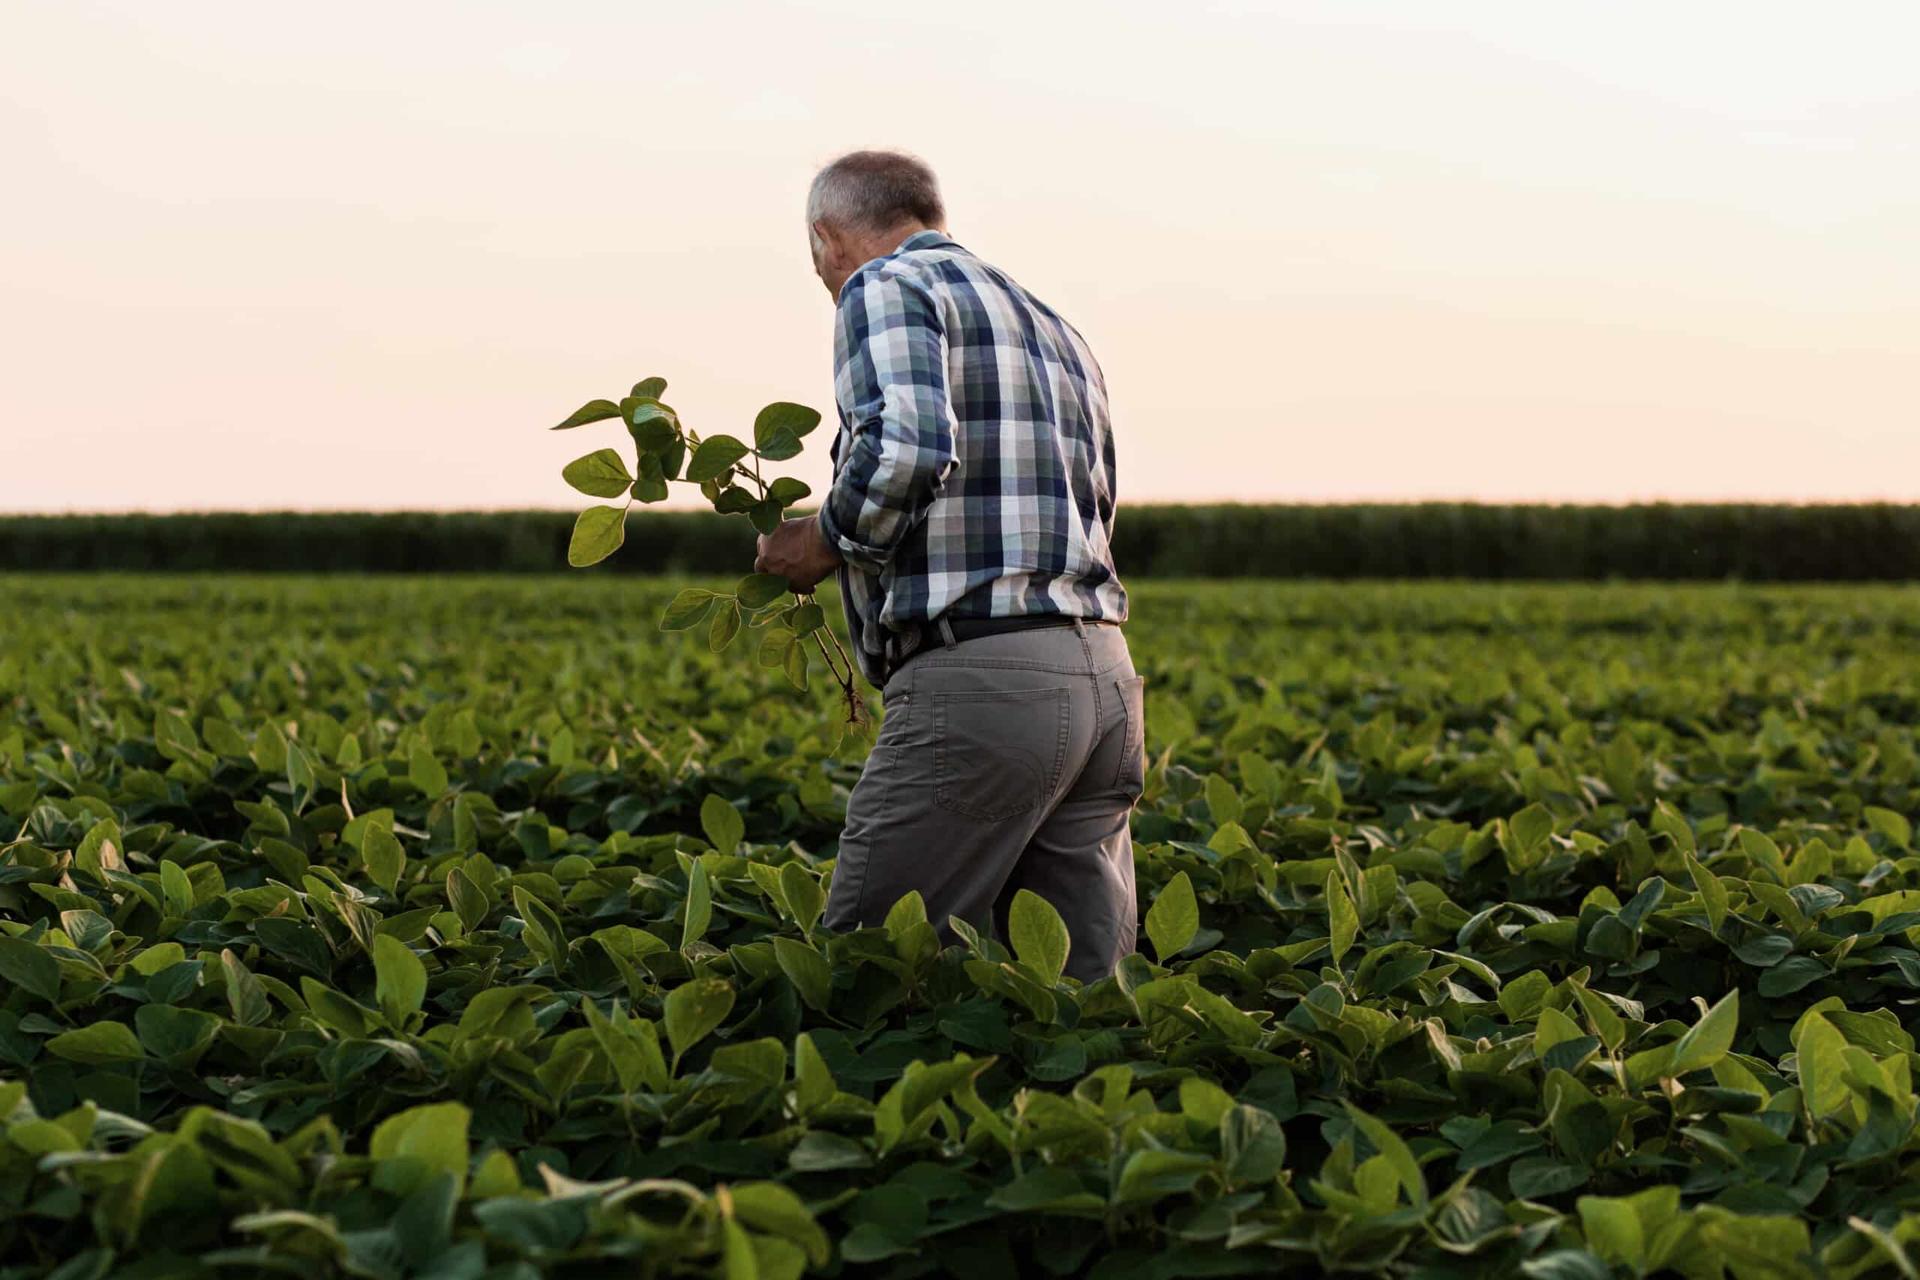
(903, 644)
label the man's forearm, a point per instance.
(878, 497)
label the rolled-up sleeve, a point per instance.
(901, 426)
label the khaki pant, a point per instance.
(1003, 763)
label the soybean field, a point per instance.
(469, 929)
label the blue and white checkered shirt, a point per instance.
(973, 468)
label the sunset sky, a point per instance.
(359, 255)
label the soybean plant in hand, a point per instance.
(727, 471)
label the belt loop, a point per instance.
(1080, 628)
(946, 632)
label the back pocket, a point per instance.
(1130, 775)
(998, 754)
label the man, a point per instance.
(969, 520)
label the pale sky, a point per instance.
(359, 255)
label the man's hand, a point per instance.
(798, 552)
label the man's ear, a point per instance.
(832, 244)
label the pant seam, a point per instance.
(1094, 680)
(878, 826)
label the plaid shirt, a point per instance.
(973, 468)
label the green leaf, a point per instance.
(813, 1082)
(650, 388)
(1528, 835)
(722, 823)
(176, 891)
(468, 900)
(1252, 1144)
(157, 958)
(801, 889)
(699, 906)
(779, 446)
(174, 736)
(99, 1043)
(796, 419)
(738, 1259)
(175, 1036)
(1819, 1050)
(600, 474)
(786, 491)
(1038, 934)
(1894, 826)
(773, 647)
(1606, 1023)
(385, 859)
(413, 1147)
(654, 427)
(1792, 974)
(672, 458)
(425, 771)
(725, 626)
(1711, 891)
(795, 664)
(334, 1009)
(1397, 1153)
(688, 609)
(1153, 1174)
(597, 534)
(651, 484)
(908, 910)
(1759, 847)
(807, 618)
(807, 969)
(300, 776)
(170, 1182)
(1522, 998)
(714, 457)
(245, 994)
(1046, 1188)
(1612, 1228)
(1174, 918)
(591, 411)
(30, 967)
(1668, 821)
(1553, 1028)
(400, 979)
(758, 590)
(1755, 1246)
(545, 935)
(693, 1010)
(1708, 1040)
(1343, 922)
(766, 515)
(1223, 802)
(773, 1208)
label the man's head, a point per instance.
(863, 205)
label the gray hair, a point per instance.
(875, 191)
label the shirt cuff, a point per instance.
(856, 554)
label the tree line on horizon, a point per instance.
(1759, 542)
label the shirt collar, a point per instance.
(927, 239)
(924, 240)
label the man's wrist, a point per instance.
(829, 538)
(829, 553)
(846, 551)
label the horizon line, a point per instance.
(695, 509)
